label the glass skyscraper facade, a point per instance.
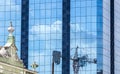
(44, 23)
(90, 30)
(84, 32)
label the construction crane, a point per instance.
(81, 61)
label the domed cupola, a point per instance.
(10, 29)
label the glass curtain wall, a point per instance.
(90, 31)
(117, 35)
(84, 33)
(106, 36)
(10, 10)
(45, 34)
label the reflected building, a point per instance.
(9, 61)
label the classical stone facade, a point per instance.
(9, 60)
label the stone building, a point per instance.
(10, 63)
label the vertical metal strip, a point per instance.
(66, 37)
(24, 31)
(112, 35)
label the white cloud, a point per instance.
(56, 28)
(46, 32)
(75, 27)
(53, 28)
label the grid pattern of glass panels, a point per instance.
(106, 36)
(99, 36)
(10, 10)
(117, 35)
(84, 32)
(45, 33)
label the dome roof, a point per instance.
(11, 28)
